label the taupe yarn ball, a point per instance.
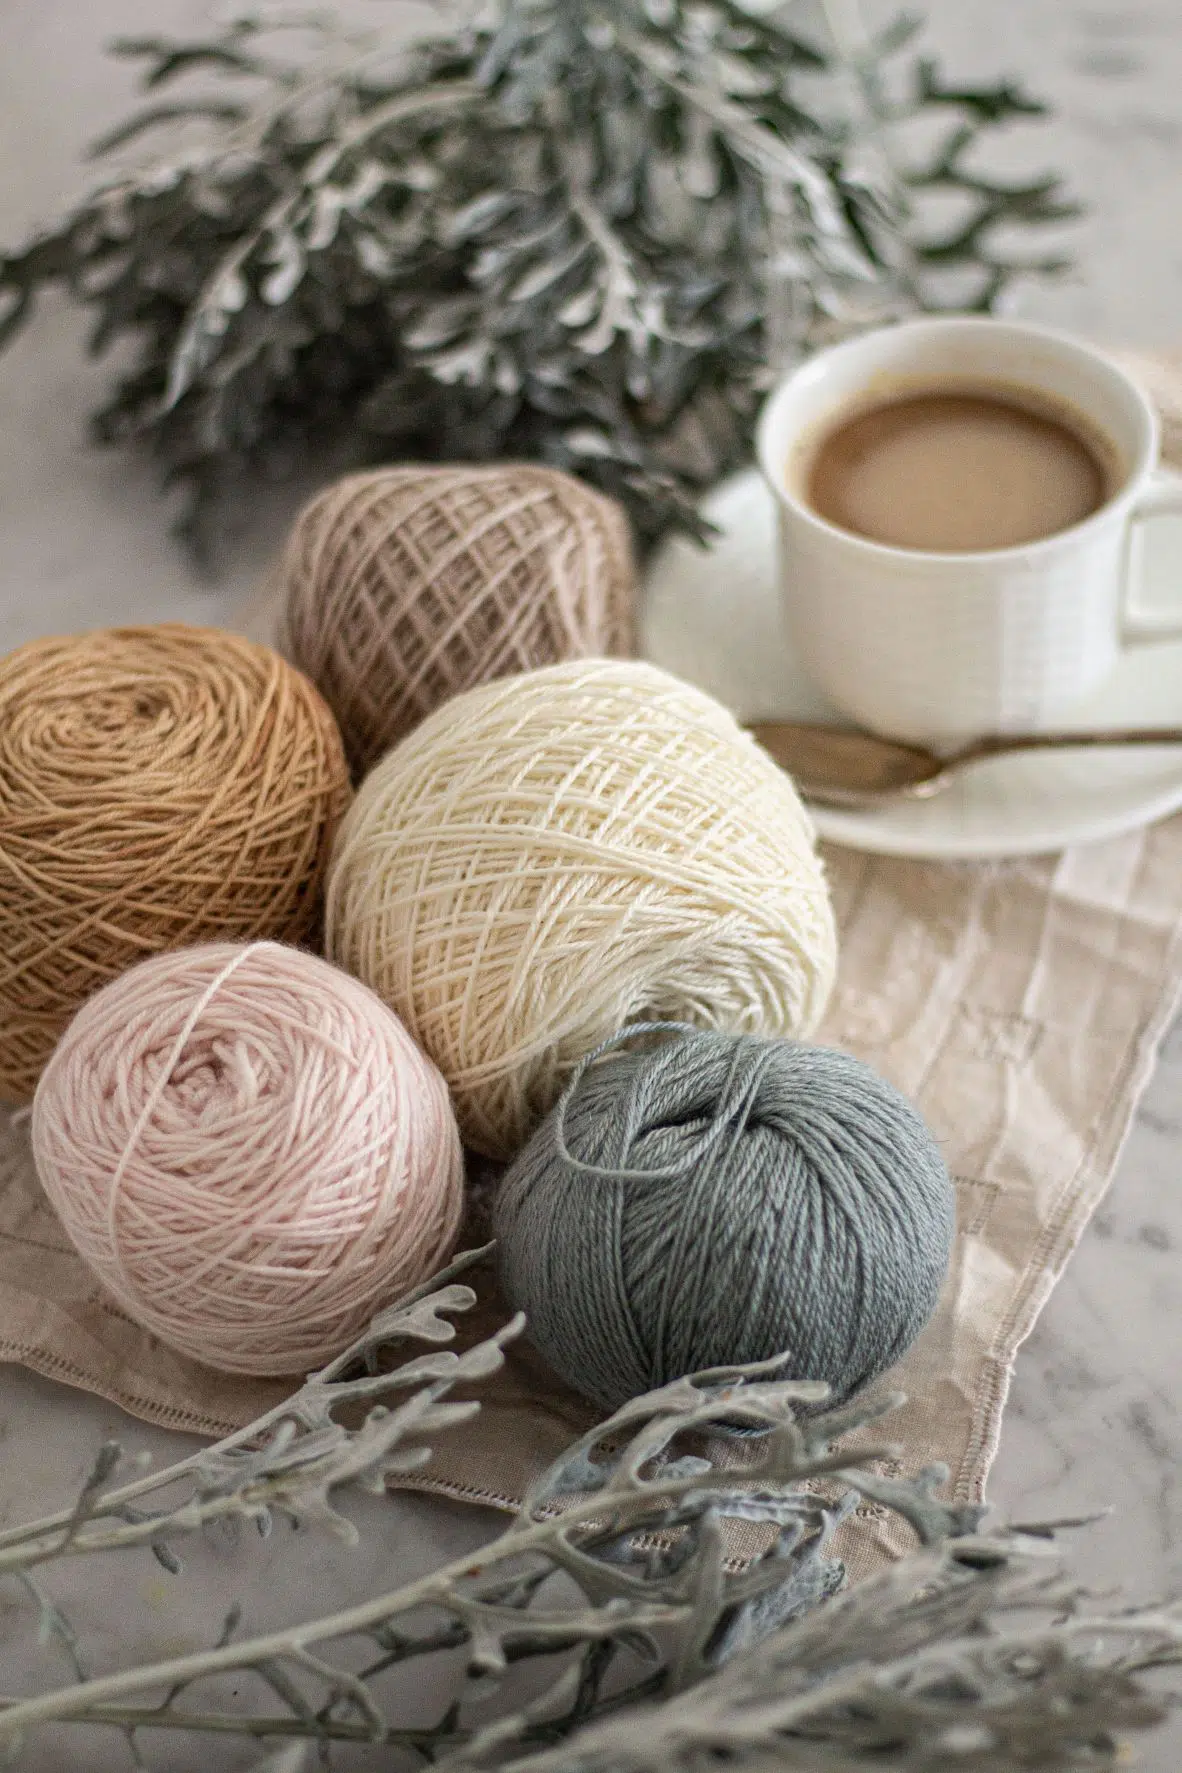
(553, 856)
(403, 586)
(159, 786)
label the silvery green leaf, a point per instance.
(321, 164)
(371, 176)
(637, 379)
(506, 375)
(600, 33)
(688, 1466)
(419, 175)
(669, 212)
(590, 444)
(477, 217)
(441, 322)
(114, 213)
(197, 344)
(375, 256)
(541, 276)
(599, 337)
(467, 363)
(491, 262)
(288, 257)
(778, 1509)
(325, 219)
(662, 57)
(580, 1474)
(581, 308)
(740, 78)
(230, 293)
(698, 168)
(161, 178)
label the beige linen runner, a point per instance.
(1018, 1003)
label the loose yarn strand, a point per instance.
(628, 1124)
(152, 1100)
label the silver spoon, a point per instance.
(839, 767)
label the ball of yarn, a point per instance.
(250, 1152)
(406, 585)
(158, 787)
(553, 856)
(722, 1200)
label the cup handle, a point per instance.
(1161, 498)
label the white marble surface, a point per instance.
(1093, 1417)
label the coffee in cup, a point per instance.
(956, 467)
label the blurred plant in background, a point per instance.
(585, 231)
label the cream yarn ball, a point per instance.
(556, 855)
(250, 1152)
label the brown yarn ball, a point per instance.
(404, 586)
(159, 786)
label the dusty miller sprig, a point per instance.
(295, 1460)
(581, 230)
(973, 1653)
(628, 1516)
(973, 1656)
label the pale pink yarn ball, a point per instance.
(250, 1152)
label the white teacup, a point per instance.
(937, 648)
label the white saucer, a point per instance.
(713, 616)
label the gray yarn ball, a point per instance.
(724, 1199)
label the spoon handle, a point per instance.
(842, 766)
(990, 747)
